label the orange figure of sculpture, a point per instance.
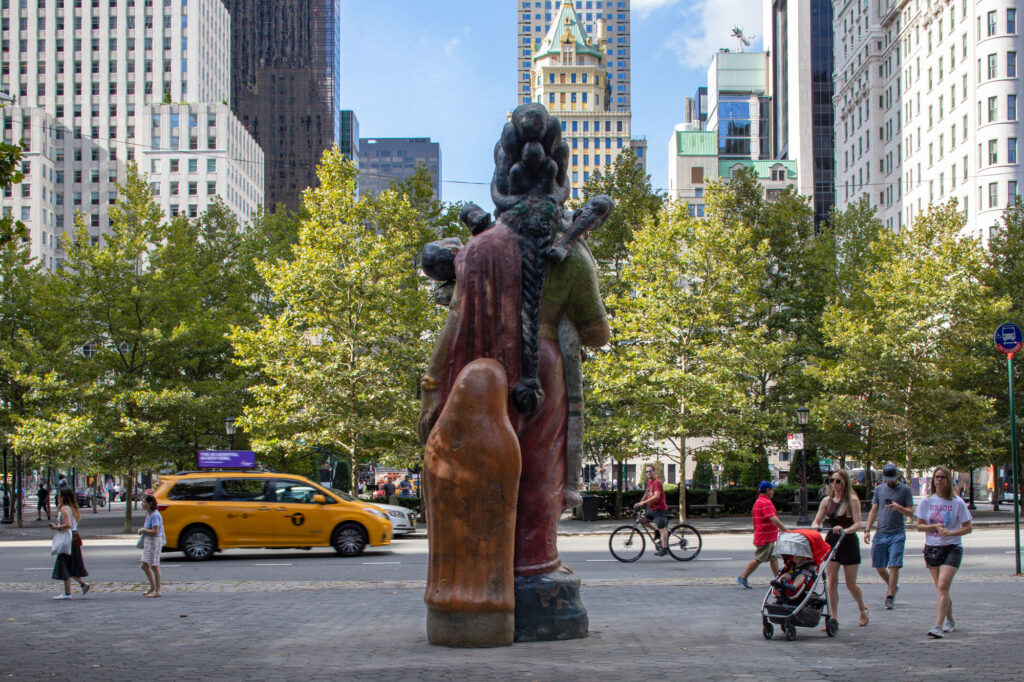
(513, 292)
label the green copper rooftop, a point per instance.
(567, 19)
(762, 168)
(696, 143)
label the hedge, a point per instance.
(733, 500)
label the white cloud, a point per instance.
(707, 27)
(451, 46)
(644, 7)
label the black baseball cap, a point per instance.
(890, 473)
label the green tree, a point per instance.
(905, 340)
(340, 360)
(608, 432)
(133, 297)
(690, 283)
(784, 326)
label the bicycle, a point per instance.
(627, 543)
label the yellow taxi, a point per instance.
(206, 512)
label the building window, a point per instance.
(991, 23)
(1011, 107)
(697, 175)
(1011, 64)
(992, 66)
(993, 194)
(1011, 21)
(992, 107)
(1011, 150)
(993, 152)
(1011, 191)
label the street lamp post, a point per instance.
(802, 414)
(229, 428)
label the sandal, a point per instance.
(864, 616)
(148, 594)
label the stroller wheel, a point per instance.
(768, 630)
(790, 633)
(831, 627)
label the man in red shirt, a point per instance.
(766, 532)
(654, 498)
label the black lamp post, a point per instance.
(229, 428)
(802, 414)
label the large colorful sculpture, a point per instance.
(502, 399)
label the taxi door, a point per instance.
(245, 515)
(298, 520)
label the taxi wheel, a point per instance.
(198, 544)
(349, 540)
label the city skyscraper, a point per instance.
(570, 78)
(798, 36)
(286, 86)
(534, 22)
(386, 159)
(88, 79)
(927, 96)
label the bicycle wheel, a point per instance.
(684, 542)
(626, 543)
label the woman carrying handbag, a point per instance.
(67, 545)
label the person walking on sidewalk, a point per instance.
(891, 504)
(152, 535)
(71, 566)
(657, 508)
(945, 519)
(766, 531)
(43, 501)
(839, 513)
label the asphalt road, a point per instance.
(988, 552)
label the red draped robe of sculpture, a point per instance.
(488, 326)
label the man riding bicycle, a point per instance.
(657, 508)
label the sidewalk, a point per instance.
(111, 524)
(636, 632)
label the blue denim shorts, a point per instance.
(887, 550)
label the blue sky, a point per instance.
(447, 70)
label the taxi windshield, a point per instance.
(344, 496)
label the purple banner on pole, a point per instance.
(226, 459)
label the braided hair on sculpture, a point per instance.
(530, 182)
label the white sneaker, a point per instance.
(936, 632)
(949, 625)
(63, 596)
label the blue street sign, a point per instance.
(1009, 338)
(227, 459)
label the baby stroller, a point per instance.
(806, 608)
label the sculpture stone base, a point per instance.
(548, 606)
(469, 630)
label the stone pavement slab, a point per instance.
(377, 633)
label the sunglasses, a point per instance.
(939, 476)
(837, 480)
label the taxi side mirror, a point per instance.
(319, 499)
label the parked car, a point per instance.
(403, 520)
(207, 512)
(86, 497)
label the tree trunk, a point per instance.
(19, 483)
(129, 489)
(682, 485)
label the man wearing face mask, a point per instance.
(892, 502)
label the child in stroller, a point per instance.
(798, 596)
(798, 573)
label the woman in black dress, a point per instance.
(839, 513)
(69, 567)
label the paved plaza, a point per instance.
(706, 629)
(661, 618)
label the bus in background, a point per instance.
(985, 484)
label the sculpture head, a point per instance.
(530, 160)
